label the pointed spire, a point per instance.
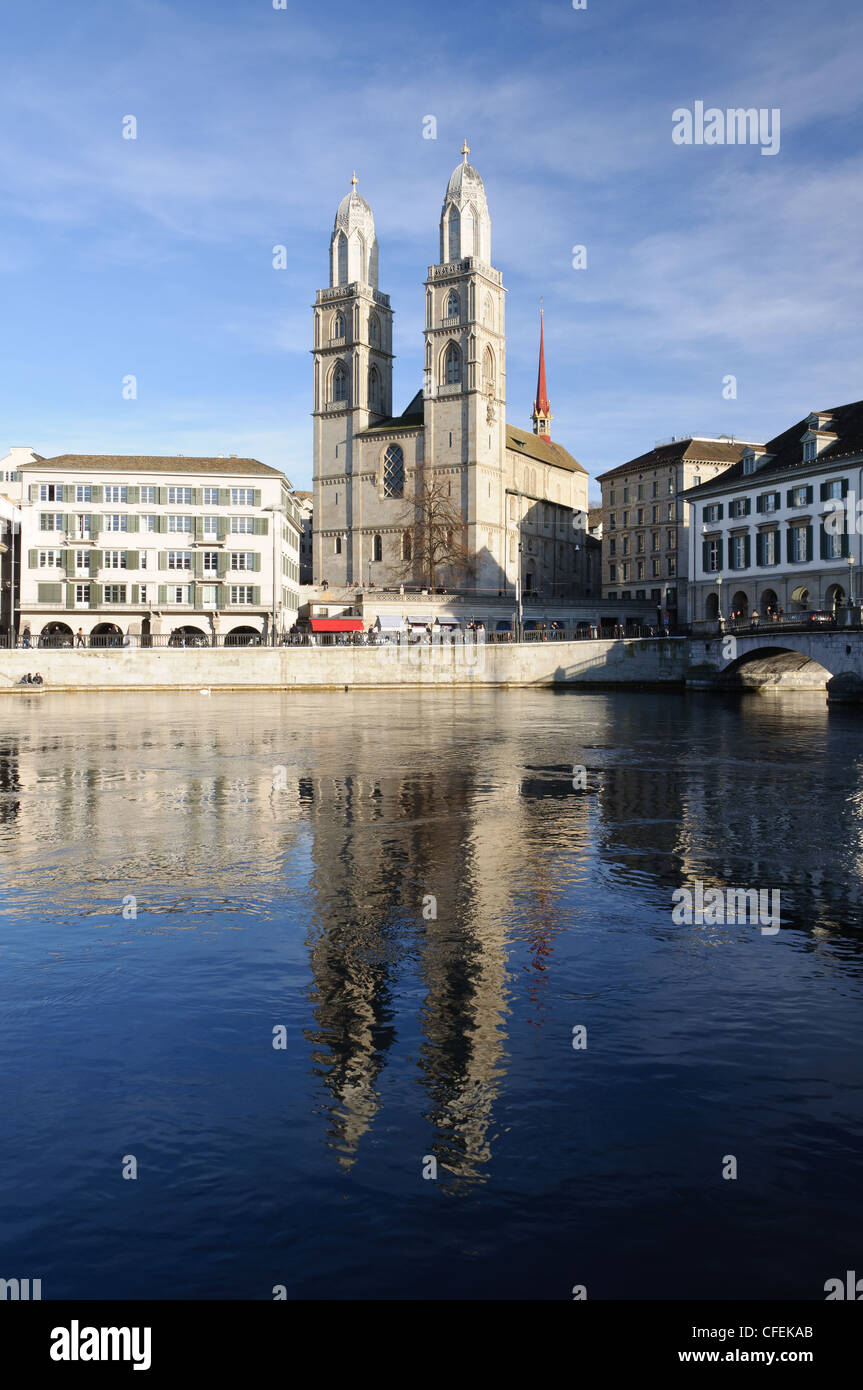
(542, 415)
(465, 149)
(354, 181)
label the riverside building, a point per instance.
(141, 547)
(646, 522)
(781, 528)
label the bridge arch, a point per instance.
(765, 667)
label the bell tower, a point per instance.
(353, 372)
(465, 371)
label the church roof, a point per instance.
(465, 185)
(353, 211)
(542, 450)
(412, 419)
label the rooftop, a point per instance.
(150, 463)
(784, 453)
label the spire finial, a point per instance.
(465, 149)
(354, 180)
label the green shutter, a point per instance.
(262, 526)
(133, 559)
(50, 593)
(224, 563)
(69, 561)
(68, 492)
(778, 544)
(844, 487)
(96, 493)
(70, 595)
(224, 497)
(34, 492)
(163, 594)
(33, 559)
(162, 494)
(789, 497)
(256, 560)
(257, 496)
(747, 552)
(197, 497)
(823, 535)
(223, 596)
(68, 524)
(747, 506)
(133, 495)
(133, 589)
(759, 503)
(198, 563)
(810, 493)
(199, 527)
(133, 523)
(256, 595)
(95, 525)
(759, 547)
(705, 556)
(809, 555)
(97, 559)
(721, 512)
(824, 492)
(163, 559)
(162, 523)
(719, 547)
(95, 595)
(223, 525)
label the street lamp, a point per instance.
(277, 511)
(850, 585)
(719, 598)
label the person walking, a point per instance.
(80, 641)
(755, 619)
(25, 638)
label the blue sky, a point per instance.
(154, 257)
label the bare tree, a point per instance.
(435, 534)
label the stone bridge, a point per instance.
(777, 658)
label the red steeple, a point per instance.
(542, 415)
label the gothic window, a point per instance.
(407, 546)
(340, 383)
(374, 328)
(394, 472)
(488, 312)
(337, 545)
(453, 305)
(374, 389)
(453, 234)
(452, 365)
(378, 552)
(339, 326)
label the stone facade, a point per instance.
(521, 499)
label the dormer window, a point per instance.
(810, 450)
(748, 463)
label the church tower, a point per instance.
(353, 369)
(542, 416)
(465, 371)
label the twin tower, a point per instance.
(366, 460)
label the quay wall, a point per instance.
(623, 662)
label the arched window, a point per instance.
(488, 312)
(407, 546)
(449, 540)
(453, 305)
(453, 225)
(488, 368)
(394, 472)
(340, 382)
(378, 551)
(374, 389)
(452, 365)
(342, 260)
(374, 328)
(339, 326)
(337, 546)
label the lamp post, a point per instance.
(850, 586)
(276, 511)
(519, 622)
(719, 599)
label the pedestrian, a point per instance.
(25, 639)
(755, 620)
(80, 640)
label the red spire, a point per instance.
(541, 407)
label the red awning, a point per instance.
(336, 624)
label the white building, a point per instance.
(520, 499)
(781, 528)
(146, 547)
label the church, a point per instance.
(518, 498)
